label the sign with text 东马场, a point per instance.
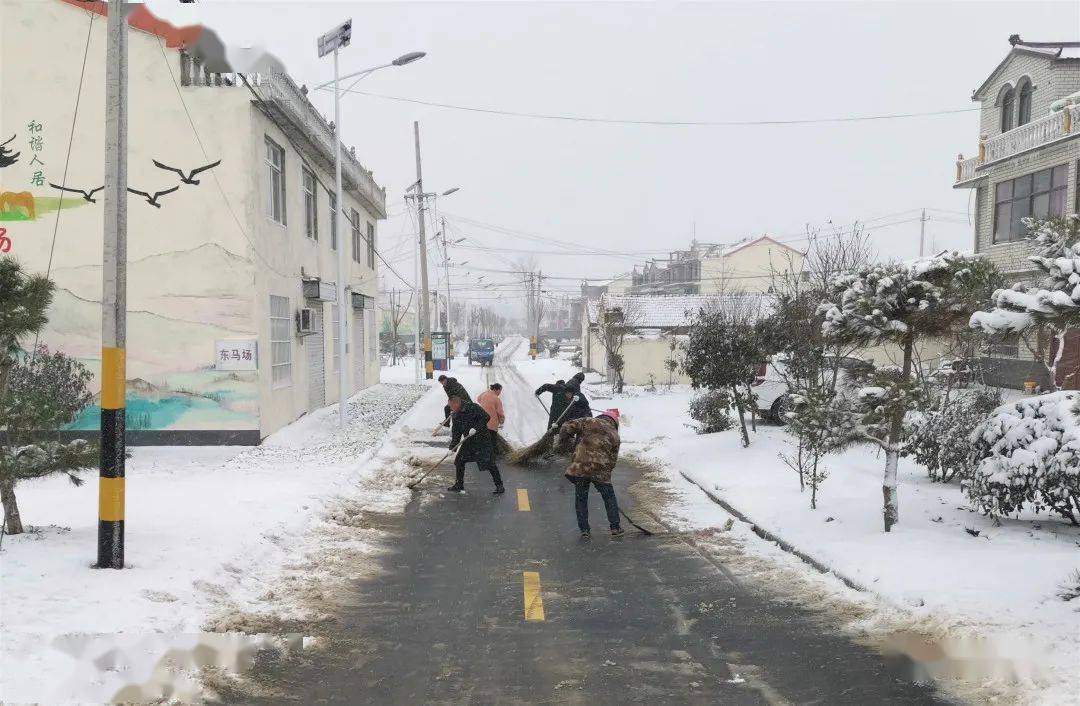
(236, 354)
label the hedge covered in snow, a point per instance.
(1031, 457)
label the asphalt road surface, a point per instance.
(496, 600)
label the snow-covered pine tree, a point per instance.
(903, 304)
(1054, 303)
(37, 393)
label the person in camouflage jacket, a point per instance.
(596, 452)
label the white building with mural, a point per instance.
(231, 294)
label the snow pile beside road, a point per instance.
(209, 529)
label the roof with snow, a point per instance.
(658, 311)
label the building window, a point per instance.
(1040, 195)
(311, 204)
(1007, 106)
(280, 341)
(354, 221)
(1023, 113)
(275, 169)
(337, 335)
(333, 221)
(371, 245)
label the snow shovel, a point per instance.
(441, 424)
(532, 451)
(432, 467)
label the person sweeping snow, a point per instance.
(558, 399)
(491, 401)
(471, 417)
(596, 451)
(453, 388)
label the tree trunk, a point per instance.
(742, 417)
(753, 408)
(891, 511)
(12, 520)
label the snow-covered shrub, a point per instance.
(1030, 453)
(1070, 588)
(710, 411)
(941, 439)
(575, 358)
(1054, 303)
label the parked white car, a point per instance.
(771, 389)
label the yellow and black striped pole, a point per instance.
(429, 363)
(114, 299)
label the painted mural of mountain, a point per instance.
(156, 344)
(205, 283)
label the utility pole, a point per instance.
(424, 318)
(339, 214)
(110, 550)
(922, 233)
(446, 273)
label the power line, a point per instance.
(657, 123)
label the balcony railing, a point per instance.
(1047, 129)
(281, 90)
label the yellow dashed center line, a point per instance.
(534, 604)
(523, 500)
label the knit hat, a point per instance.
(613, 413)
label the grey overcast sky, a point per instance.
(638, 189)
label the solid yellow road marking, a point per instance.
(534, 604)
(111, 499)
(523, 500)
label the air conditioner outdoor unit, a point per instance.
(305, 321)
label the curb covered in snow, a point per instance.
(779, 541)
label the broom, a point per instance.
(502, 446)
(538, 447)
(412, 485)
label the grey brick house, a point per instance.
(1025, 165)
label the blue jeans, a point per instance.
(581, 502)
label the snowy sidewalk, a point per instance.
(209, 529)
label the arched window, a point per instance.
(1007, 106)
(1023, 115)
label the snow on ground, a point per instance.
(989, 601)
(209, 530)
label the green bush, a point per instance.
(710, 411)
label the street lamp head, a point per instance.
(408, 58)
(450, 191)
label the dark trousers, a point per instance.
(581, 502)
(489, 466)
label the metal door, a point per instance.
(359, 351)
(315, 344)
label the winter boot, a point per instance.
(585, 534)
(456, 488)
(499, 490)
(617, 531)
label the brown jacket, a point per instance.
(493, 405)
(597, 447)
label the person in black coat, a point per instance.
(453, 388)
(558, 399)
(478, 448)
(574, 383)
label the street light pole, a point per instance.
(340, 229)
(110, 549)
(425, 321)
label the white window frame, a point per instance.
(332, 200)
(371, 245)
(310, 186)
(280, 368)
(275, 187)
(354, 220)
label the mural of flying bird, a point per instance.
(186, 178)
(7, 158)
(152, 200)
(87, 195)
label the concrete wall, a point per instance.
(753, 268)
(643, 356)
